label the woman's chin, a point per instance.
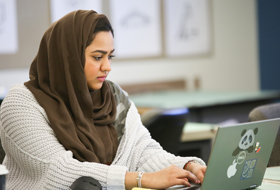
(96, 86)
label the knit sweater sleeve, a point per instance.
(35, 158)
(137, 149)
(142, 153)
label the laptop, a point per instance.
(239, 156)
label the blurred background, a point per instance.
(235, 42)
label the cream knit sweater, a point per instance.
(36, 160)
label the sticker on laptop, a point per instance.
(257, 148)
(232, 169)
(248, 169)
(246, 146)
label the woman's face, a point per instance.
(98, 59)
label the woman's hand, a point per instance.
(168, 177)
(198, 170)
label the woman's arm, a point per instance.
(144, 154)
(162, 179)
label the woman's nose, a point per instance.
(106, 65)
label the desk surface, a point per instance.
(198, 131)
(271, 179)
(183, 98)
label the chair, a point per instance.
(165, 126)
(269, 111)
(2, 153)
(86, 183)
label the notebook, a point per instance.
(239, 156)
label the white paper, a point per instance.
(8, 27)
(137, 28)
(59, 8)
(187, 28)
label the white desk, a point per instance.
(271, 179)
(198, 131)
(197, 139)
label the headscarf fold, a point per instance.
(82, 120)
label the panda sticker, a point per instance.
(246, 142)
(246, 146)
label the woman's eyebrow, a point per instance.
(103, 52)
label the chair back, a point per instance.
(2, 152)
(166, 126)
(269, 111)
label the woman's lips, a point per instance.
(102, 78)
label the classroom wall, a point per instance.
(231, 65)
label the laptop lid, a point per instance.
(240, 155)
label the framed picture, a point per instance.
(187, 27)
(59, 8)
(137, 27)
(8, 27)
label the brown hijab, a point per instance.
(81, 119)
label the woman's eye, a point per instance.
(97, 58)
(111, 56)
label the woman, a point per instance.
(67, 121)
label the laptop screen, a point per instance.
(240, 155)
